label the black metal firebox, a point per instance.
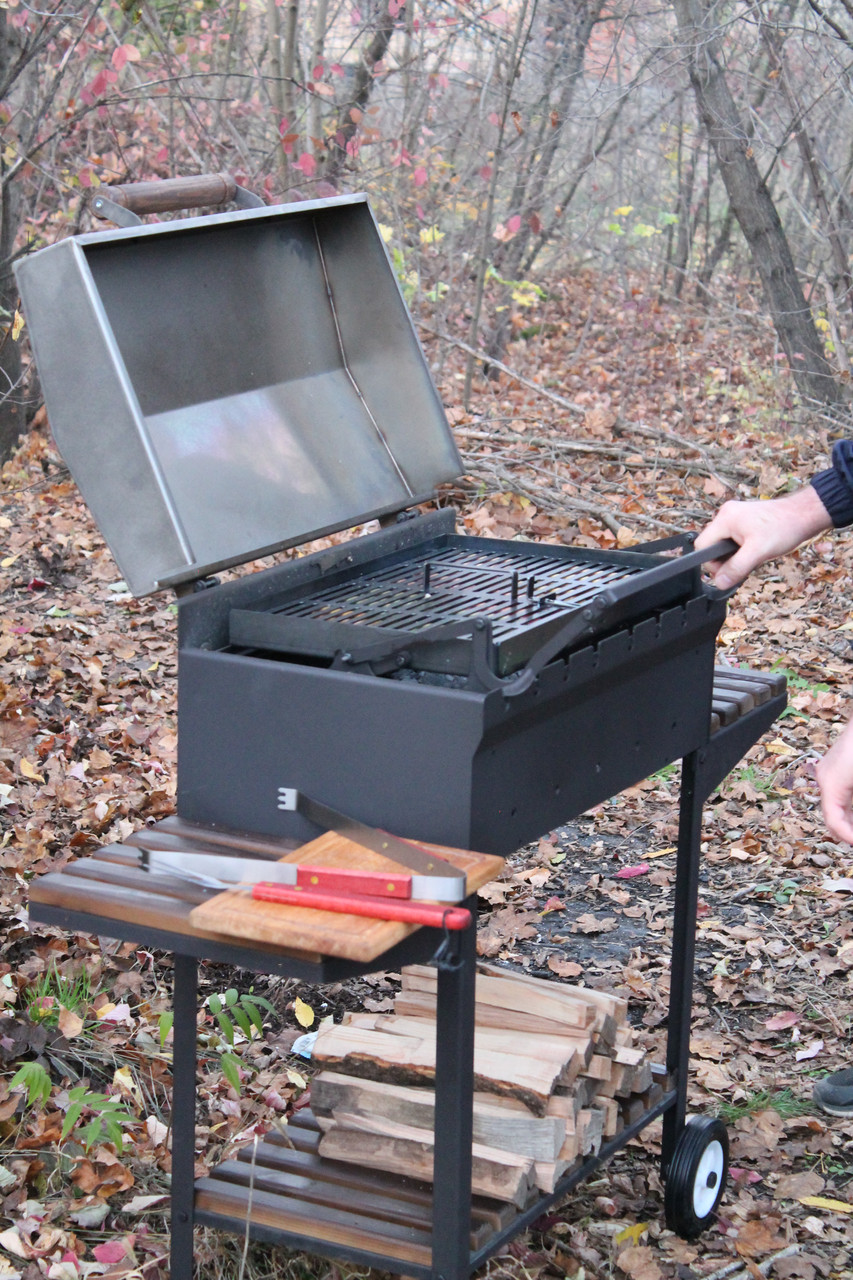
(425, 736)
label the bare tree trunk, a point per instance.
(289, 60)
(569, 25)
(318, 44)
(753, 206)
(350, 112)
(12, 416)
(842, 282)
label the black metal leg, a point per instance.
(185, 1007)
(454, 1090)
(683, 949)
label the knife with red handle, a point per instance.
(435, 915)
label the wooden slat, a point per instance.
(221, 838)
(302, 1159)
(110, 900)
(318, 1222)
(772, 682)
(367, 1204)
(131, 878)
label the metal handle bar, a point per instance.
(592, 618)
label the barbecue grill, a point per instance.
(247, 381)
(228, 386)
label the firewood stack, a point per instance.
(555, 1074)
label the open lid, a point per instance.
(225, 386)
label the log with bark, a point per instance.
(555, 1075)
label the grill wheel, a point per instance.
(697, 1176)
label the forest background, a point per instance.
(623, 232)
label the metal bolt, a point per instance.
(479, 625)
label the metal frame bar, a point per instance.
(454, 1104)
(685, 910)
(182, 1186)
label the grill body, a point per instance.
(462, 766)
(460, 690)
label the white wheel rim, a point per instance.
(709, 1176)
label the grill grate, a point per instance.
(451, 585)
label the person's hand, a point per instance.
(834, 775)
(762, 530)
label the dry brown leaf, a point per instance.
(758, 1237)
(639, 1263)
(70, 1023)
(792, 1186)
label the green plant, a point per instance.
(751, 774)
(53, 991)
(36, 1080)
(666, 774)
(798, 682)
(783, 1101)
(244, 1009)
(782, 893)
(108, 1114)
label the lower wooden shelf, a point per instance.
(283, 1184)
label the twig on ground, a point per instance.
(737, 1270)
(621, 424)
(546, 499)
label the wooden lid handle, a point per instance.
(167, 195)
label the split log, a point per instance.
(510, 1127)
(603, 1002)
(410, 1060)
(412, 1159)
(421, 1004)
(546, 1000)
(572, 1053)
(557, 1048)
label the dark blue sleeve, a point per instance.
(835, 486)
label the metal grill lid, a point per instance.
(222, 387)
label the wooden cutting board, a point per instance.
(234, 914)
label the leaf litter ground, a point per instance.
(642, 418)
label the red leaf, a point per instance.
(420, 176)
(628, 873)
(513, 224)
(781, 1021)
(307, 164)
(110, 1251)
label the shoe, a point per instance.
(834, 1094)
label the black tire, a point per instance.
(697, 1176)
